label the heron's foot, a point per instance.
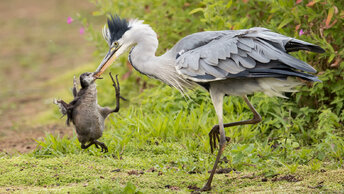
(214, 135)
(102, 145)
(206, 188)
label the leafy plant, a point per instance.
(306, 127)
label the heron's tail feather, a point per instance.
(296, 45)
(276, 87)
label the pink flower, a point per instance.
(69, 20)
(82, 30)
(301, 32)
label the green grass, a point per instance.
(89, 171)
(92, 172)
(300, 137)
(163, 130)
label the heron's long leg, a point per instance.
(214, 133)
(217, 99)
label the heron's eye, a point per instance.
(114, 46)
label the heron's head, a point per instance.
(118, 36)
(87, 79)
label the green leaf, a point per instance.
(285, 22)
(229, 4)
(130, 188)
(196, 10)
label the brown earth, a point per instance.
(37, 45)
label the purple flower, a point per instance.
(69, 20)
(301, 32)
(82, 30)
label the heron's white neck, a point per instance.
(142, 57)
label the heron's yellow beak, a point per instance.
(109, 58)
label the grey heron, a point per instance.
(229, 62)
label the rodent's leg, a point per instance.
(118, 95)
(83, 146)
(63, 106)
(102, 145)
(75, 86)
(65, 109)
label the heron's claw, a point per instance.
(214, 135)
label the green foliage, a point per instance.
(322, 22)
(130, 189)
(170, 19)
(56, 146)
(297, 129)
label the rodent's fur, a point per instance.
(85, 113)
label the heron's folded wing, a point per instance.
(224, 54)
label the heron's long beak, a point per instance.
(109, 58)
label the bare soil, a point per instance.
(37, 45)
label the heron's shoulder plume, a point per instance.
(116, 28)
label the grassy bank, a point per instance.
(158, 142)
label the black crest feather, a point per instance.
(117, 27)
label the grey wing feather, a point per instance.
(214, 71)
(230, 66)
(216, 55)
(196, 40)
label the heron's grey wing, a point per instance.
(240, 53)
(196, 40)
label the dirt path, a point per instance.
(37, 44)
